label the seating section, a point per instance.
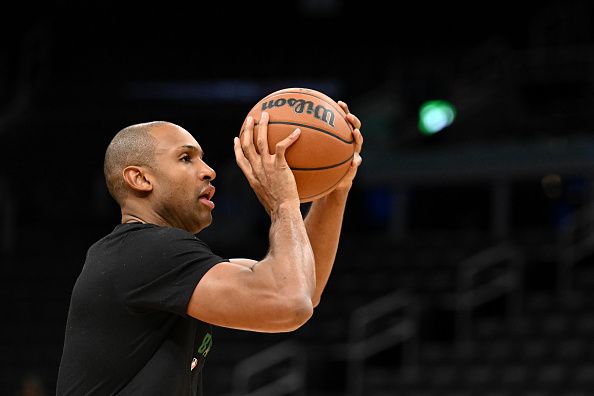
(548, 349)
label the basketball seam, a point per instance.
(315, 96)
(324, 167)
(328, 189)
(339, 110)
(311, 127)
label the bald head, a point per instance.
(133, 145)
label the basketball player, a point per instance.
(142, 309)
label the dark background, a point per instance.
(515, 165)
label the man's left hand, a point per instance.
(346, 183)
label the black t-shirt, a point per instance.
(127, 331)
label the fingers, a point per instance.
(355, 163)
(353, 119)
(242, 161)
(355, 122)
(251, 162)
(358, 140)
(357, 159)
(247, 140)
(283, 145)
(262, 141)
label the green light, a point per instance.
(435, 115)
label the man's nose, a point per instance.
(208, 173)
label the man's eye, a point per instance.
(186, 158)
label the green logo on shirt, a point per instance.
(206, 344)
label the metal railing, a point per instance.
(500, 282)
(280, 380)
(363, 344)
(575, 243)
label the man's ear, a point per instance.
(136, 178)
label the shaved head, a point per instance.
(156, 173)
(133, 145)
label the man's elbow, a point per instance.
(315, 301)
(297, 312)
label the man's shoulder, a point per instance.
(152, 236)
(150, 232)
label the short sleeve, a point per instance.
(163, 270)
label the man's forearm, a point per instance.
(323, 224)
(291, 251)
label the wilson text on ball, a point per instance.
(320, 112)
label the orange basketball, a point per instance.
(322, 155)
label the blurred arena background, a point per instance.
(465, 266)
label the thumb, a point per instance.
(283, 145)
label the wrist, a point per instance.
(341, 192)
(335, 198)
(288, 205)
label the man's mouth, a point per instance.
(206, 196)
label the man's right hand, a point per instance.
(275, 293)
(269, 174)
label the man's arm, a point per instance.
(274, 294)
(270, 295)
(323, 224)
(324, 220)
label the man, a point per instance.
(141, 311)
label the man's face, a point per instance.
(182, 191)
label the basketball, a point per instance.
(322, 155)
